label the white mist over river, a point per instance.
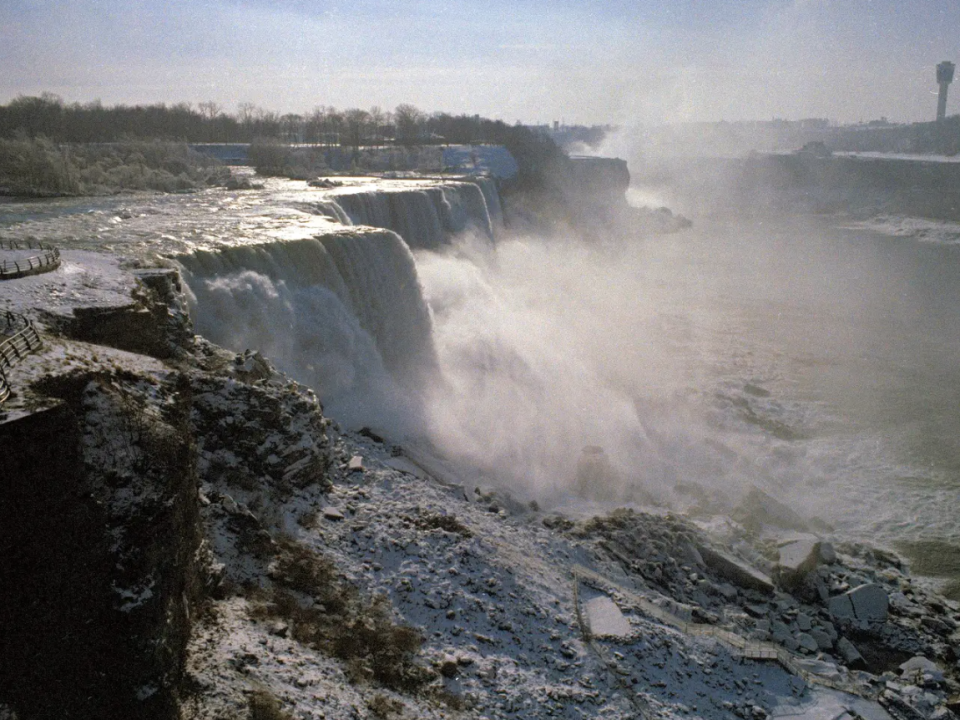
(814, 358)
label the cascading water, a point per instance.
(425, 217)
(342, 313)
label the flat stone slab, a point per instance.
(332, 513)
(735, 570)
(605, 618)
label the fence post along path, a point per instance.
(21, 339)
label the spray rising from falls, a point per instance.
(510, 360)
(342, 313)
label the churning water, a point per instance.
(813, 359)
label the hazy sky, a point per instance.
(590, 61)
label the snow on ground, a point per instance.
(914, 157)
(491, 589)
(84, 279)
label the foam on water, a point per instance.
(938, 232)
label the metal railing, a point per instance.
(47, 260)
(21, 338)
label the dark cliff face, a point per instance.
(585, 195)
(98, 540)
(599, 178)
(578, 193)
(155, 323)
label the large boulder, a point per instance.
(923, 669)
(798, 555)
(735, 570)
(867, 603)
(605, 619)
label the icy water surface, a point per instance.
(840, 345)
(813, 359)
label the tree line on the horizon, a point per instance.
(49, 116)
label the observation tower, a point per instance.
(944, 78)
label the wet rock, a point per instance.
(756, 610)
(953, 704)
(920, 666)
(727, 591)
(807, 642)
(823, 640)
(822, 668)
(605, 619)
(691, 554)
(780, 632)
(368, 433)
(828, 555)
(332, 513)
(449, 667)
(901, 604)
(941, 626)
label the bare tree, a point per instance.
(409, 121)
(246, 113)
(292, 127)
(378, 118)
(335, 125)
(357, 121)
(209, 109)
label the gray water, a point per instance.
(840, 346)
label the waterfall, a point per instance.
(370, 207)
(426, 217)
(415, 216)
(491, 196)
(343, 313)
